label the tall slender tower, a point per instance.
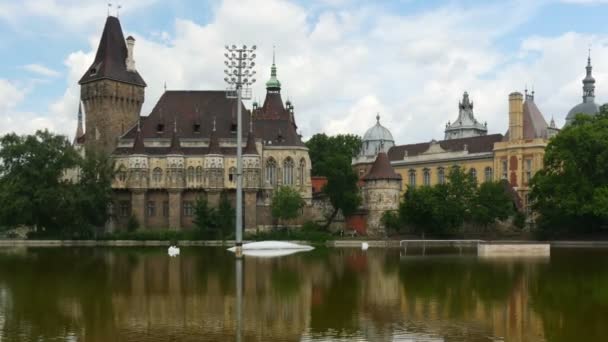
(111, 89)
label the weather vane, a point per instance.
(109, 5)
(118, 10)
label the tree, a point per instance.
(226, 217)
(286, 203)
(570, 193)
(32, 190)
(341, 187)
(214, 223)
(322, 148)
(491, 203)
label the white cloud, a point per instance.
(41, 70)
(343, 65)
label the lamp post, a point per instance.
(239, 76)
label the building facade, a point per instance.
(185, 148)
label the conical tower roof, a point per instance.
(382, 169)
(138, 144)
(79, 127)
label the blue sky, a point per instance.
(340, 61)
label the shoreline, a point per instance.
(333, 243)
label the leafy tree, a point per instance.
(571, 192)
(341, 187)
(226, 217)
(286, 203)
(491, 202)
(214, 222)
(322, 148)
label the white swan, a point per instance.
(173, 251)
(364, 246)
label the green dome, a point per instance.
(273, 82)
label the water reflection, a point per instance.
(130, 294)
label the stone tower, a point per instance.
(112, 90)
(381, 193)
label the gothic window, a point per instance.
(124, 208)
(199, 174)
(504, 169)
(473, 173)
(288, 171)
(528, 170)
(488, 174)
(122, 173)
(412, 178)
(271, 171)
(441, 175)
(157, 175)
(427, 177)
(232, 175)
(151, 209)
(190, 174)
(188, 208)
(302, 171)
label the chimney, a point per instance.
(516, 116)
(130, 62)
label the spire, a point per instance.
(250, 148)
(79, 127)
(175, 147)
(138, 144)
(377, 118)
(589, 82)
(214, 145)
(273, 83)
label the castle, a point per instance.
(186, 147)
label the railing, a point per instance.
(449, 242)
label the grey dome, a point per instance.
(377, 139)
(589, 108)
(378, 132)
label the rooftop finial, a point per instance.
(165, 86)
(273, 83)
(251, 122)
(139, 124)
(175, 124)
(214, 123)
(378, 118)
(109, 5)
(118, 10)
(273, 54)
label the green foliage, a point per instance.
(322, 148)
(444, 208)
(310, 232)
(286, 203)
(132, 224)
(390, 220)
(35, 193)
(214, 223)
(571, 192)
(152, 235)
(341, 187)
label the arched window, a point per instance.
(302, 171)
(412, 181)
(232, 175)
(190, 174)
(488, 174)
(121, 174)
(271, 171)
(157, 175)
(288, 171)
(427, 177)
(441, 175)
(473, 173)
(199, 174)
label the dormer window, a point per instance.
(197, 128)
(233, 128)
(160, 128)
(93, 72)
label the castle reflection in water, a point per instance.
(328, 294)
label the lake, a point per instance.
(329, 294)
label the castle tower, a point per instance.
(111, 90)
(175, 179)
(381, 193)
(516, 116)
(138, 177)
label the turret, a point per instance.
(175, 161)
(516, 114)
(138, 163)
(251, 161)
(213, 164)
(381, 193)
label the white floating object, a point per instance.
(173, 251)
(270, 253)
(272, 245)
(364, 246)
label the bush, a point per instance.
(310, 232)
(132, 224)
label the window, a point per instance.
(473, 173)
(528, 170)
(441, 175)
(124, 208)
(232, 175)
(166, 209)
(197, 128)
(427, 177)
(504, 169)
(160, 128)
(302, 171)
(288, 171)
(188, 208)
(199, 174)
(190, 174)
(151, 209)
(157, 175)
(271, 171)
(412, 178)
(488, 174)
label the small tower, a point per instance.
(588, 106)
(213, 163)
(251, 161)
(175, 162)
(79, 137)
(381, 193)
(138, 177)
(111, 90)
(465, 125)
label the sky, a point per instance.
(340, 62)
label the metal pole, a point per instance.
(239, 163)
(239, 299)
